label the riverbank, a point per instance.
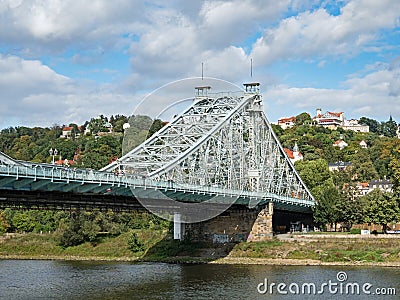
(159, 246)
(297, 262)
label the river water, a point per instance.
(42, 279)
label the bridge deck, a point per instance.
(49, 178)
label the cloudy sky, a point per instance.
(64, 61)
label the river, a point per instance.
(46, 279)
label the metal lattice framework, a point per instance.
(6, 160)
(221, 140)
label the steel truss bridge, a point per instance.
(222, 147)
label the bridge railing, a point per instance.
(55, 173)
(88, 176)
(219, 191)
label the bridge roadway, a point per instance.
(35, 185)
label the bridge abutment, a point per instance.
(234, 225)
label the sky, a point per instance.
(66, 61)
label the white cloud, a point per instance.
(45, 26)
(32, 94)
(174, 44)
(170, 41)
(318, 33)
(368, 95)
(223, 22)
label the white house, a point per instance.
(294, 155)
(341, 144)
(329, 119)
(363, 144)
(287, 122)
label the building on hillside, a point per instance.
(294, 155)
(363, 188)
(398, 131)
(108, 126)
(339, 166)
(341, 144)
(64, 162)
(354, 126)
(363, 144)
(287, 122)
(67, 132)
(331, 120)
(382, 184)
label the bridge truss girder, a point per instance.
(224, 141)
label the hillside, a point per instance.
(340, 193)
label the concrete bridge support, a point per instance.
(234, 225)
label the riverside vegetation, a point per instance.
(108, 235)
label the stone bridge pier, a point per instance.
(234, 225)
(239, 224)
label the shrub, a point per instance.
(135, 245)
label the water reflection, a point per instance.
(107, 280)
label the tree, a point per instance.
(314, 173)
(382, 208)
(389, 128)
(326, 211)
(4, 222)
(303, 118)
(277, 129)
(363, 168)
(135, 245)
(394, 167)
(97, 125)
(374, 125)
(24, 221)
(351, 207)
(79, 229)
(118, 122)
(136, 133)
(156, 126)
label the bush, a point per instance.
(355, 231)
(135, 245)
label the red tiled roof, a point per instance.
(363, 184)
(69, 128)
(289, 153)
(338, 142)
(337, 114)
(285, 120)
(62, 162)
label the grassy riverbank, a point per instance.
(159, 246)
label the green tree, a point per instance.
(4, 222)
(314, 173)
(24, 221)
(24, 148)
(135, 245)
(97, 125)
(118, 122)
(351, 208)
(303, 118)
(389, 128)
(382, 208)
(137, 132)
(363, 169)
(374, 125)
(394, 167)
(326, 211)
(156, 126)
(78, 229)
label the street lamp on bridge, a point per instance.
(53, 153)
